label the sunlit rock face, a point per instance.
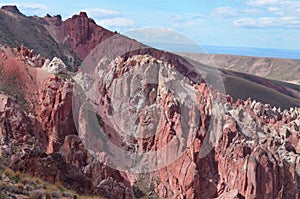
(195, 140)
(15, 124)
(149, 106)
(56, 66)
(54, 112)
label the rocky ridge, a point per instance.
(274, 68)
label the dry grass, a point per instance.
(90, 197)
(9, 173)
(37, 187)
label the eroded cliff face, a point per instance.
(43, 139)
(15, 124)
(250, 159)
(216, 147)
(79, 33)
(101, 132)
(54, 112)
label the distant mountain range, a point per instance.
(241, 51)
(273, 68)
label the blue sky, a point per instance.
(271, 24)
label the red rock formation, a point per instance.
(52, 168)
(107, 181)
(55, 20)
(54, 112)
(247, 157)
(50, 128)
(15, 124)
(80, 33)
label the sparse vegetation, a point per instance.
(37, 194)
(64, 77)
(3, 196)
(11, 88)
(9, 172)
(1, 71)
(144, 187)
(26, 186)
(89, 197)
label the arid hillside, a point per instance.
(273, 68)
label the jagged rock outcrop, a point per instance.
(106, 181)
(53, 168)
(55, 66)
(238, 150)
(55, 20)
(81, 34)
(29, 57)
(54, 112)
(47, 126)
(249, 159)
(15, 124)
(12, 9)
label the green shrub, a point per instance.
(26, 180)
(59, 186)
(38, 180)
(144, 187)
(3, 196)
(1, 71)
(56, 194)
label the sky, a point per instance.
(271, 24)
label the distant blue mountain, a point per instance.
(256, 52)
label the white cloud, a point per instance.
(275, 10)
(245, 22)
(224, 12)
(229, 12)
(33, 6)
(159, 35)
(250, 11)
(277, 14)
(100, 13)
(269, 22)
(117, 22)
(34, 9)
(179, 21)
(261, 2)
(285, 8)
